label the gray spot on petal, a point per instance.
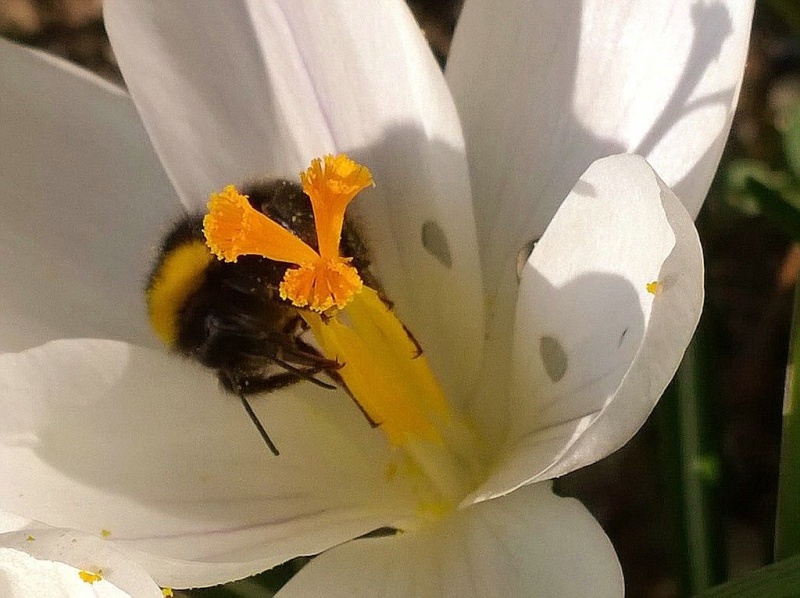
(523, 254)
(554, 357)
(435, 241)
(585, 188)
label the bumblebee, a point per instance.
(229, 316)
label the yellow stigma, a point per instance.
(321, 279)
(322, 285)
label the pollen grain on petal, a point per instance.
(90, 577)
(654, 288)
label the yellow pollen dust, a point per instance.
(321, 279)
(167, 592)
(653, 287)
(90, 577)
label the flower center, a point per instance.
(382, 365)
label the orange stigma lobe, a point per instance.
(322, 280)
(331, 183)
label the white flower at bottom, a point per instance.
(553, 371)
(58, 563)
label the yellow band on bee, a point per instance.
(180, 274)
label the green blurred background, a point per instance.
(690, 502)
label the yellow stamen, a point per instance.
(382, 370)
(653, 287)
(331, 189)
(233, 227)
(167, 592)
(394, 385)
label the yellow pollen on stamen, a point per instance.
(653, 287)
(394, 385)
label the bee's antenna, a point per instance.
(258, 425)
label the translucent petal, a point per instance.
(545, 88)
(596, 342)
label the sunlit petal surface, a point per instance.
(530, 543)
(545, 88)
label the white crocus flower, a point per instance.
(553, 371)
(58, 563)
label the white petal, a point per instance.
(83, 201)
(103, 435)
(594, 348)
(46, 562)
(544, 88)
(531, 543)
(10, 522)
(258, 89)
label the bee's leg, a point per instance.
(295, 326)
(304, 374)
(253, 385)
(300, 354)
(337, 378)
